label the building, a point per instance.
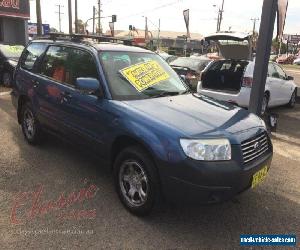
(172, 42)
(13, 21)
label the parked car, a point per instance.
(168, 58)
(273, 58)
(190, 68)
(128, 106)
(284, 59)
(231, 79)
(9, 56)
(297, 61)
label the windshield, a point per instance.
(137, 75)
(13, 52)
(191, 63)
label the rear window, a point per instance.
(191, 63)
(31, 54)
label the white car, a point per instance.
(297, 61)
(231, 79)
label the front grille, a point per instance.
(255, 147)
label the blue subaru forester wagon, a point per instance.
(129, 106)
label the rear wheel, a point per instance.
(30, 125)
(265, 104)
(136, 180)
(292, 101)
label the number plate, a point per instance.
(259, 176)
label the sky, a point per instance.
(203, 15)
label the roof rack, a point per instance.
(81, 37)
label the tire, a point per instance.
(265, 104)
(7, 79)
(292, 101)
(134, 170)
(30, 126)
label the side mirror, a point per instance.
(290, 78)
(87, 85)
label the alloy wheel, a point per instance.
(134, 183)
(29, 124)
(264, 105)
(293, 99)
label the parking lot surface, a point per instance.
(33, 177)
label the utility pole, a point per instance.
(262, 55)
(59, 15)
(39, 18)
(94, 19)
(70, 16)
(218, 20)
(158, 35)
(76, 17)
(221, 16)
(99, 16)
(254, 24)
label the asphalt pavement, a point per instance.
(34, 179)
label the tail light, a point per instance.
(191, 76)
(247, 82)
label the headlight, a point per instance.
(207, 150)
(263, 124)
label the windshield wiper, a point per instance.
(166, 93)
(186, 92)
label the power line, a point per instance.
(153, 9)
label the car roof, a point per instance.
(100, 46)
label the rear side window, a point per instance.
(280, 72)
(271, 71)
(66, 64)
(31, 54)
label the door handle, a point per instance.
(35, 83)
(66, 96)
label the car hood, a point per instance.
(196, 115)
(232, 45)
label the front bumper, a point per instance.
(210, 182)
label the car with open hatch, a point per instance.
(230, 79)
(130, 107)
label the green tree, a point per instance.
(81, 26)
(276, 45)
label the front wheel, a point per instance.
(264, 104)
(292, 101)
(136, 180)
(30, 125)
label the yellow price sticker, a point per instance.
(144, 75)
(15, 49)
